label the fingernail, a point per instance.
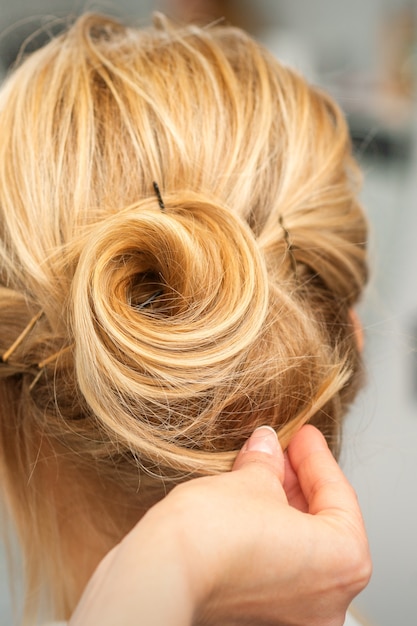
(263, 439)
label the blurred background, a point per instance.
(364, 52)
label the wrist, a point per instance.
(180, 533)
(144, 580)
(188, 530)
(169, 579)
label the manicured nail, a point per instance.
(263, 439)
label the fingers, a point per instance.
(292, 487)
(321, 480)
(330, 497)
(313, 481)
(262, 450)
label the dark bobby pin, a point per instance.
(149, 301)
(158, 195)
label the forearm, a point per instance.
(145, 578)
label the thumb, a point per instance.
(262, 448)
(322, 481)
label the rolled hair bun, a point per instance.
(165, 303)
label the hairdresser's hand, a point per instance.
(231, 550)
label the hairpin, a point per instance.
(42, 364)
(53, 357)
(159, 196)
(149, 301)
(290, 247)
(50, 359)
(5, 357)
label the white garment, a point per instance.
(351, 621)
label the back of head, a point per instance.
(168, 329)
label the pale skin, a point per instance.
(279, 541)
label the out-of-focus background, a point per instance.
(365, 53)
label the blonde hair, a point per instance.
(168, 333)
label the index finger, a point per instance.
(323, 483)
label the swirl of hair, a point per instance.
(318, 217)
(165, 307)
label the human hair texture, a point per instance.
(165, 335)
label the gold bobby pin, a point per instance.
(5, 357)
(54, 357)
(50, 359)
(35, 380)
(42, 364)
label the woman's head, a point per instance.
(166, 333)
